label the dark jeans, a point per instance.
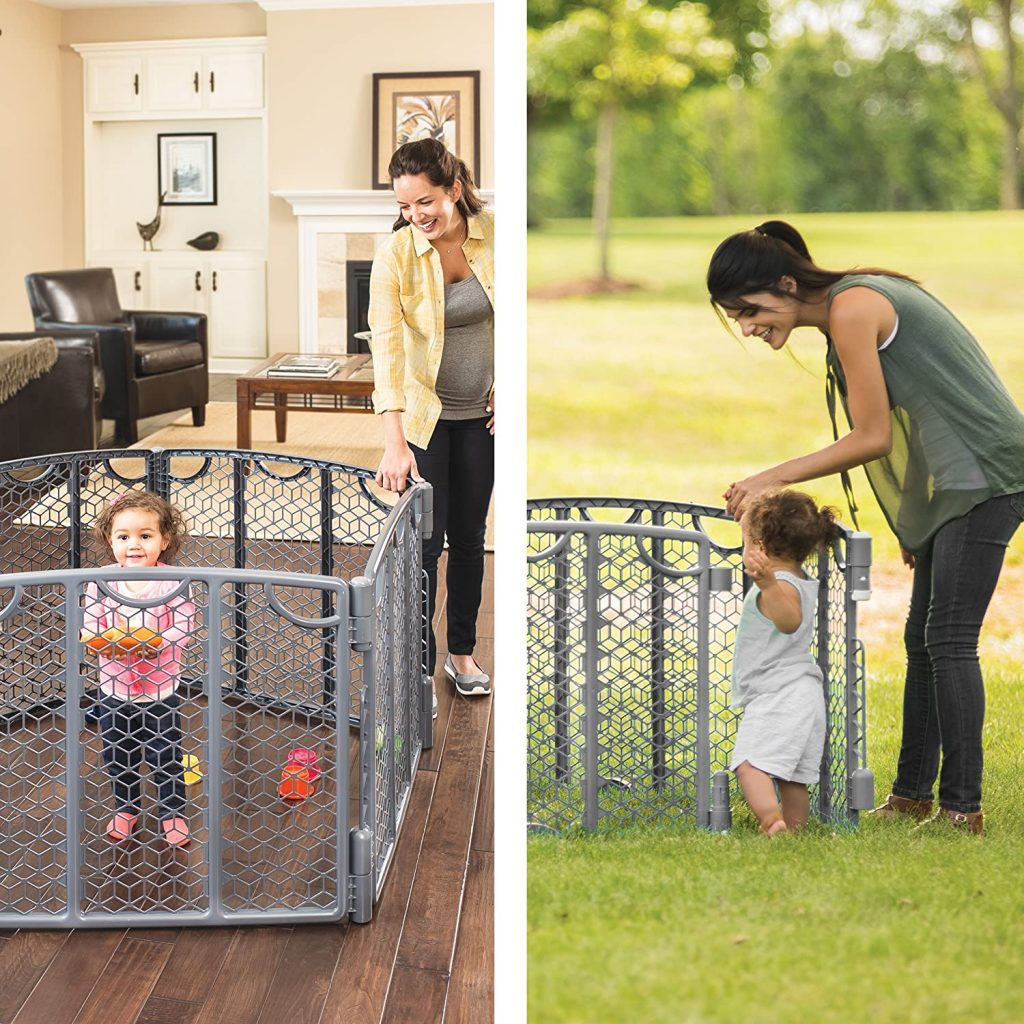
(459, 464)
(944, 697)
(133, 733)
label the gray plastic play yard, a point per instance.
(309, 597)
(632, 612)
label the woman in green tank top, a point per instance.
(942, 443)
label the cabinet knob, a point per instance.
(195, 81)
(212, 87)
(135, 83)
(199, 287)
(215, 280)
(138, 280)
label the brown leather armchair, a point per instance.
(152, 362)
(59, 411)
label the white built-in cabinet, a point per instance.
(132, 93)
(174, 79)
(230, 288)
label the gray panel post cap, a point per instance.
(720, 818)
(720, 578)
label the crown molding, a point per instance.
(323, 5)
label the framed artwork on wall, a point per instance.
(411, 105)
(187, 164)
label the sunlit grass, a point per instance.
(644, 394)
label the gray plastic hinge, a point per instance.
(360, 883)
(426, 512)
(360, 614)
(427, 712)
(858, 566)
(720, 579)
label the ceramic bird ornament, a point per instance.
(147, 231)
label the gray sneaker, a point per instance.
(469, 684)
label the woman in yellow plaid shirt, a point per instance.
(432, 323)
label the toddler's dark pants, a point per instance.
(133, 733)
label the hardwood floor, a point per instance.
(426, 956)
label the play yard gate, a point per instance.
(632, 612)
(303, 701)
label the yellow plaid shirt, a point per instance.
(406, 318)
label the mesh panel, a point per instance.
(630, 662)
(249, 743)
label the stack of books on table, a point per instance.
(305, 366)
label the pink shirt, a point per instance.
(134, 677)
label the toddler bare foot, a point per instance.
(773, 826)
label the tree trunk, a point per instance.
(603, 182)
(1009, 188)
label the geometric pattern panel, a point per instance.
(251, 743)
(632, 610)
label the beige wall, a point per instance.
(31, 202)
(320, 67)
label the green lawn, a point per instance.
(644, 394)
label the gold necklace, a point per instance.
(465, 224)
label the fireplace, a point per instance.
(357, 298)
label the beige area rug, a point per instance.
(353, 439)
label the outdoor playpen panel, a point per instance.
(632, 612)
(310, 637)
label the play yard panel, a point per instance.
(632, 612)
(328, 661)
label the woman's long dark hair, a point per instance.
(755, 261)
(440, 167)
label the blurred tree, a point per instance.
(984, 36)
(616, 55)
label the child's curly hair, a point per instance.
(172, 523)
(789, 525)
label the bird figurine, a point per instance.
(147, 231)
(206, 241)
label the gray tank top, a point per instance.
(765, 659)
(957, 434)
(466, 373)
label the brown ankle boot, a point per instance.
(958, 821)
(919, 809)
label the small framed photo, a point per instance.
(187, 164)
(408, 106)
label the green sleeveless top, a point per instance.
(957, 435)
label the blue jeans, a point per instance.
(133, 733)
(944, 696)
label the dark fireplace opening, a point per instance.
(357, 300)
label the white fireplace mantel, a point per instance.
(341, 212)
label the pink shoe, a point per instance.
(120, 826)
(175, 831)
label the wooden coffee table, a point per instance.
(255, 390)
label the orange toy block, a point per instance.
(102, 643)
(105, 642)
(295, 784)
(138, 637)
